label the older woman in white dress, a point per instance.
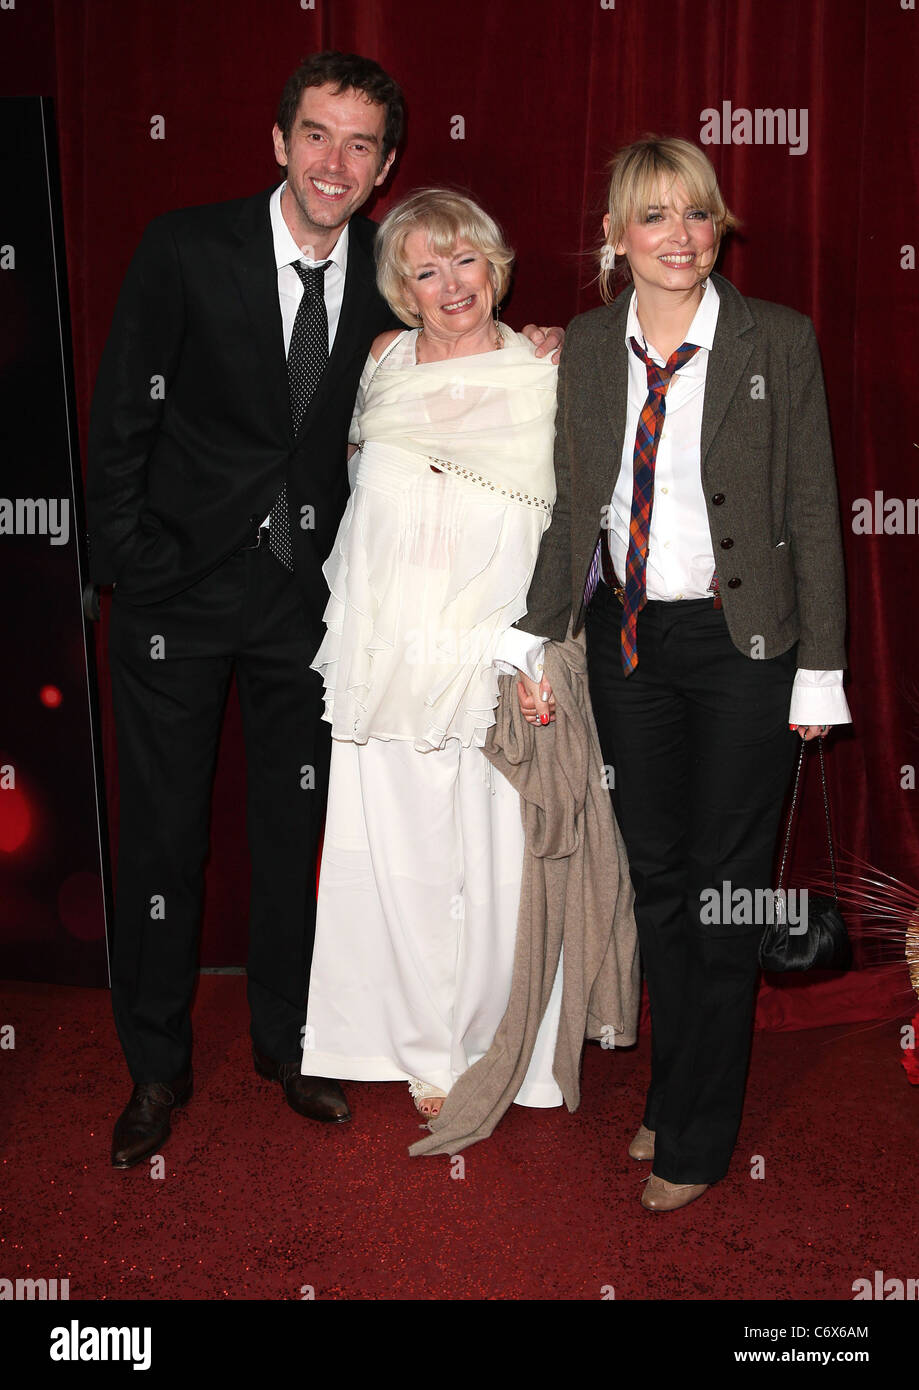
(453, 487)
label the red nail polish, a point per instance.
(543, 719)
(793, 728)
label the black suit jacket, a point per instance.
(190, 431)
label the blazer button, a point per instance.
(727, 543)
(253, 519)
(718, 498)
(734, 583)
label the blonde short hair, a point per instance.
(639, 175)
(447, 218)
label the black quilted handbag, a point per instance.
(818, 940)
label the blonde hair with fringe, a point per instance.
(642, 174)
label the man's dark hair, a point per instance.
(345, 72)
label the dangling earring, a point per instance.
(496, 317)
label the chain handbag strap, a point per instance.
(826, 810)
(829, 826)
(791, 816)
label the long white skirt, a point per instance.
(419, 890)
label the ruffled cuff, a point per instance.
(520, 651)
(817, 697)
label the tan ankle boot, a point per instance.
(642, 1146)
(660, 1195)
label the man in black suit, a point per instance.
(193, 446)
(216, 483)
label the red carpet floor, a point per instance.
(258, 1203)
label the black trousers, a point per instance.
(698, 740)
(171, 665)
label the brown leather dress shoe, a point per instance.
(315, 1097)
(642, 1146)
(143, 1125)
(661, 1195)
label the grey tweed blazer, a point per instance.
(767, 471)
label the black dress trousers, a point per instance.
(171, 665)
(698, 740)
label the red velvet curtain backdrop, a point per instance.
(523, 104)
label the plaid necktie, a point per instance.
(647, 436)
(307, 358)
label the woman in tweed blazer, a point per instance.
(738, 644)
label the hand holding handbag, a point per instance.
(818, 940)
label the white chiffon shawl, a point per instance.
(452, 490)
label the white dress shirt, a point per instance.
(681, 560)
(290, 286)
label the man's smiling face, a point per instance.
(333, 161)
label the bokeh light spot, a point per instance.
(15, 820)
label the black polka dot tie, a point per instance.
(307, 358)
